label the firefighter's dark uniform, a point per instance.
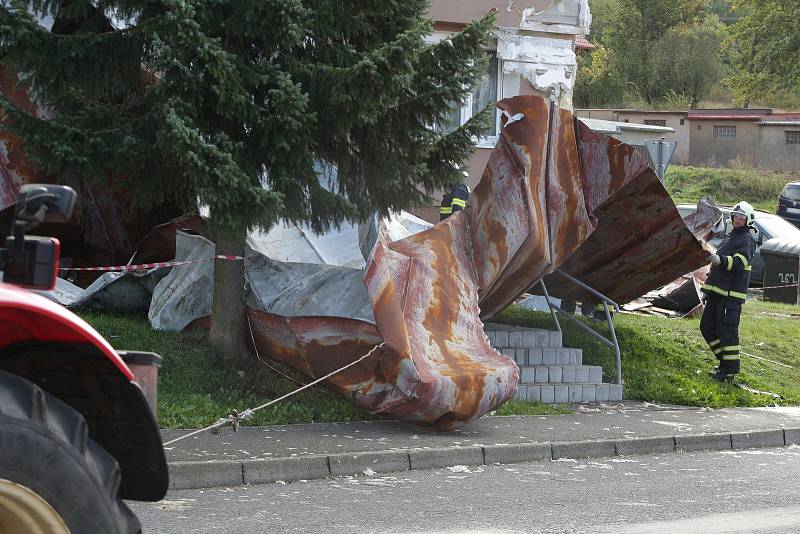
(726, 290)
(453, 201)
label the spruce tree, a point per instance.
(231, 103)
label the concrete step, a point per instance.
(560, 374)
(555, 393)
(547, 356)
(529, 338)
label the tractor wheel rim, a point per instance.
(23, 511)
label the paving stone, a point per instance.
(575, 356)
(515, 339)
(509, 353)
(595, 375)
(521, 356)
(555, 339)
(554, 374)
(542, 339)
(630, 447)
(191, 475)
(601, 392)
(584, 449)
(268, 470)
(614, 392)
(549, 356)
(561, 393)
(568, 373)
(547, 394)
(756, 439)
(534, 356)
(529, 339)
(588, 393)
(534, 393)
(582, 374)
(501, 339)
(445, 457)
(527, 375)
(575, 393)
(562, 356)
(516, 453)
(791, 436)
(541, 374)
(379, 461)
(490, 336)
(703, 442)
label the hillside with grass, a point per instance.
(727, 185)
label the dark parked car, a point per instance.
(767, 226)
(789, 203)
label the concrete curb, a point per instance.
(190, 475)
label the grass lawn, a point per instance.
(663, 360)
(727, 186)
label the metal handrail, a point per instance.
(613, 343)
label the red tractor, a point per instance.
(77, 434)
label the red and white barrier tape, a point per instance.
(778, 287)
(149, 266)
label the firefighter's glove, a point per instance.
(715, 259)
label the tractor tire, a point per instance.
(51, 471)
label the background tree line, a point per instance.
(677, 53)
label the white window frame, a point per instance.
(487, 141)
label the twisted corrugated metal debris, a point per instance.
(554, 194)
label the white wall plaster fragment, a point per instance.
(548, 64)
(560, 16)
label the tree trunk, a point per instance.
(228, 323)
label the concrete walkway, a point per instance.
(257, 455)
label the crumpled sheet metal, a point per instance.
(104, 227)
(186, 294)
(15, 169)
(535, 209)
(683, 294)
(640, 242)
(706, 222)
(528, 214)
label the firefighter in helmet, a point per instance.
(725, 291)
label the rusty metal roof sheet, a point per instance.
(554, 194)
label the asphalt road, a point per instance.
(711, 492)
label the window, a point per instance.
(484, 93)
(683, 121)
(655, 122)
(792, 137)
(724, 132)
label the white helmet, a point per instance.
(743, 208)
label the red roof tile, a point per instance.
(581, 43)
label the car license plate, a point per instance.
(793, 211)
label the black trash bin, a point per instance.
(781, 270)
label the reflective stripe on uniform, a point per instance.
(730, 263)
(743, 259)
(459, 202)
(729, 357)
(446, 211)
(715, 289)
(730, 348)
(714, 343)
(738, 295)
(716, 351)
